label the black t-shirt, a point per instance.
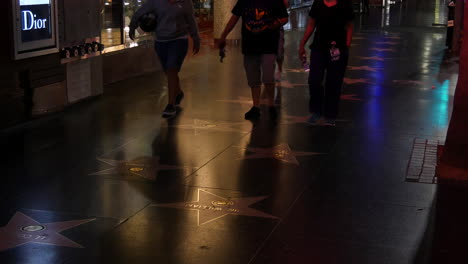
(330, 23)
(256, 16)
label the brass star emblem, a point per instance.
(280, 152)
(211, 207)
(144, 167)
(22, 229)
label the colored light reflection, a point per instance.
(440, 111)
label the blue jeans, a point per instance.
(325, 100)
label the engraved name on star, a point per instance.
(144, 167)
(22, 229)
(280, 152)
(199, 124)
(211, 207)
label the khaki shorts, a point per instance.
(260, 69)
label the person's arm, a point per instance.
(229, 26)
(193, 27)
(349, 33)
(308, 32)
(148, 6)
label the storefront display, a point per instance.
(35, 31)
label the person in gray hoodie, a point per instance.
(175, 21)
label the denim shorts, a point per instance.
(172, 53)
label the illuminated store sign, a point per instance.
(35, 27)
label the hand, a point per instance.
(221, 43)
(302, 52)
(196, 46)
(131, 33)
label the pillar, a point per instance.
(453, 164)
(222, 14)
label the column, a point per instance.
(222, 14)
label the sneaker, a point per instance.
(278, 76)
(329, 122)
(314, 119)
(179, 98)
(273, 112)
(169, 111)
(253, 113)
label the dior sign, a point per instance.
(35, 18)
(31, 22)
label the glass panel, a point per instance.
(112, 23)
(204, 13)
(130, 7)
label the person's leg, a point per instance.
(268, 78)
(334, 82)
(252, 64)
(318, 61)
(280, 55)
(178, 51)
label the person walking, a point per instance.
(261, 22)
(175, 21)
(280, 55)
(332, 22)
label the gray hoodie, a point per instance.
(175, 18)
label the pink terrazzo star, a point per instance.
(144, 167)
(280, 152)
(21, 229)
(211, 207)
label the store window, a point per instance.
(130, 7)
(112, 23)
(204, 13)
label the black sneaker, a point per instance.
(179, 98)
(253, 113)
(273, 112)
(169, 111)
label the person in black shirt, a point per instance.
(261, 22)
(332, 22)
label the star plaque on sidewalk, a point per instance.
(211, 207)
(199, 124)
(280, 152)
(22, 229)
(353, 81)
(144, 167)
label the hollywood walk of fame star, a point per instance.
(244, 101)
(409, 82)
(145, 167)
(199, 124)
(350, 97)
(211, 207)
(358, 38)
(371, 58)
(22, 229)
(281, 152)
(362, 68)
(353, 81)
(387, 43)
(383, 49)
